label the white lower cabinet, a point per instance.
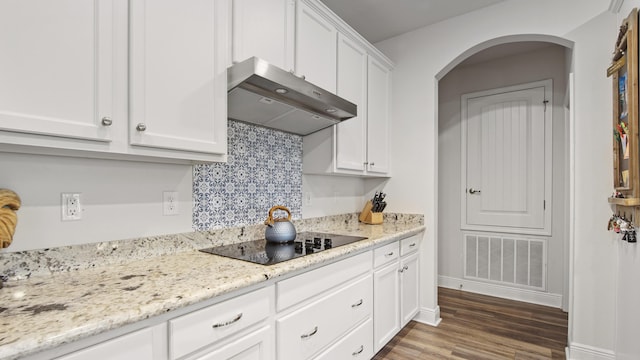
(386, 287)
(395, 288)
(409, 286)
(304, 332)
(257, 345)
(203, 328)
(349, 309)
(356, 345)
(145, 344)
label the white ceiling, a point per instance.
(378, 20)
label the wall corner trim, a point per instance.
(428, 316)
(615, 6)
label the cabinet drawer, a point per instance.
(190, 332)
(356, 345)
(386, 254)
(304, 286)
(305, 331)
(409, 245)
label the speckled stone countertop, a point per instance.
(57, 296)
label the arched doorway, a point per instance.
(497, 63)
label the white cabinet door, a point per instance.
(150, 343)
(379, 88)
(264, 28)
(351, 135)
(315, 48)
(409, 288)
(178, 77)
(386, 307)
(257, 345)
(56, 68)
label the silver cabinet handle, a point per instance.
(474, 191)
(308, 335)
(404, 268)
(106, 121)
(389, 254)
(412, 245)
(357, 304)
(373, 164)
(141, 127)
(359, 351)
(235, 319)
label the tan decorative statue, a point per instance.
(9, 204)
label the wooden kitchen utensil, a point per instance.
(9, 204)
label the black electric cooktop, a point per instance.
(265, 253)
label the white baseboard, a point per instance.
(530, 296)
(586, 352)
(428, 316)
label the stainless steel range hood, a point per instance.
(265, 95)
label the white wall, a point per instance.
(331, 195)
(121, 199)
(422, 54)
(627, 289)
(546, 63)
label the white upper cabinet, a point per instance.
(177, 75)
(352, 85)
(266, 29)
(127, 80)
(379, 90)
(315, 48)
(56, 68)
(357, 146)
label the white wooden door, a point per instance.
(506, 170)
(315, 48)
(351, 134)
(178, 64)
(409, 288)
(378, 115)
(264, 28)
(386, 307)
(56, 66)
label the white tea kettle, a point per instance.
(279, 230)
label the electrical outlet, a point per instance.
(71, 207)
(170, 203)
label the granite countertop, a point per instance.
(46, 303)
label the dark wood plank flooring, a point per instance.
(482, 327)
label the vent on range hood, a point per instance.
(265, 95)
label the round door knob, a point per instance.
(141, 127)
(106, 121)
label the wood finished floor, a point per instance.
(482, 327)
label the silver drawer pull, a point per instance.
(236, 319)
(404, 268)
(304, 336)
(389, 254)
(106, 121)
(412, 245)
(357, 304)
(359, 351)
(141, 127)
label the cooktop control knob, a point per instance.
(327, 241)
(308, 247)
(298, 247)
(317, 242)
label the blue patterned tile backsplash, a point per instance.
(263, 169)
